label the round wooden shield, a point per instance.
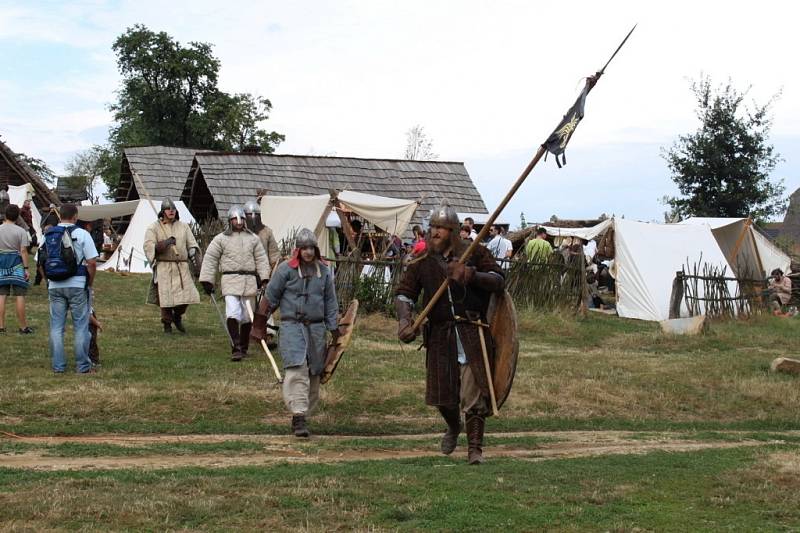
(347, 324)
(502, 316)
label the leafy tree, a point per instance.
(85, 171)
(723, 168)
(169, 95)
(40, 167)
(418, 145)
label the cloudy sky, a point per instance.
(487, 80)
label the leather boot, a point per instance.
(452, 416)
(299, 427)
(233, 331)
(475, 425)
(244, 335)
(178, 318)
(166, 319)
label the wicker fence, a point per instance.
(706, 290)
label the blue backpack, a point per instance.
(61, 262)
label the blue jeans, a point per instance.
(77, 302)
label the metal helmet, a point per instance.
(251, 208)
(445, 216)
(236, 212)
(167, 203)
(305, 238)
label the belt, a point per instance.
(305, 322)
(241, 273)
(172, 260)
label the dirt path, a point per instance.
(280, 448)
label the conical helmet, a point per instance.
(305, 239)
(167, 203)
(236, 212)
(445, 216)
(251, 208)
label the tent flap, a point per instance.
(390, 214)
(285, 215)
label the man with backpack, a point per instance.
(70, 267)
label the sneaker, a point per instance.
(25, 331)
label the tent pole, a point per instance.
(738, 245)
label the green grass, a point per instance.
(736, 489)
(596, 372)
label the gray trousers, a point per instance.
(300, 390)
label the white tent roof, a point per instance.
(129, 255)
(584, 233)
(647, 258)
(285, 215)
(755, 257)
(118, 209)
(390, 214)
(17, 194)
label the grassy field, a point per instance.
(586, 388)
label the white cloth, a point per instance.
(590, 249)
(300, 390)
(236, 307)
(500, 248)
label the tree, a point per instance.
(723, 169)
(40, 167)
(169, 95)
(418, 146)
(85, 171)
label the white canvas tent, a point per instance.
(286, 214)
(584, 233)
(750, 254)
(647, 258)
(114, 210)
(17, 194)
(129, 255)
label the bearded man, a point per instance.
(303, 289)
(238, 255)
(456, 375)
(172, 250)
(253, 213)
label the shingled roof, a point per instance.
(162, 169)
(14, 171)
(219, 180)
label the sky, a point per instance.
(488, 81)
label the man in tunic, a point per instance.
(253, 213)
(303, 289)
(456, 376)
(173, 252)
(239, 256)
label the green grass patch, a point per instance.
(736, 489)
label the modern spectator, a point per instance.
(73, 295)
(14, 274)
(538, 250)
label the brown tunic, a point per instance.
(443, 373)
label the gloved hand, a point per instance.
(208, 287)
(405, 321)
(459, 272)
(335, 334)
(163, 245)
(264, 283)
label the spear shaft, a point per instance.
(517, 184)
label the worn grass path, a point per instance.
(107, 452)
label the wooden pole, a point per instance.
(264, 345)
(487, 368)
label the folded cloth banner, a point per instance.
(12, 272)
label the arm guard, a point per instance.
(259, 328)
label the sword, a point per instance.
(264, 345)
(222, 319)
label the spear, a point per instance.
(556, 143)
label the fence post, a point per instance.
(676, 297)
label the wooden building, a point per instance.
(14, 171)
(218, 181)
(162, 169)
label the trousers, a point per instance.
(300, 389)
(236, 307)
